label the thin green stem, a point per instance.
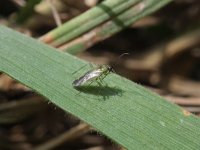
(114, 26)
(86, 21)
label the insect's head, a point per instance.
(110, 69)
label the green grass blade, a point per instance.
(113, 26)
(107, 13)
(91, 18)
(126, 112)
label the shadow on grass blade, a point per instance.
(104, 91)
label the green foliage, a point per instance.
(99, 23)
(124, 111)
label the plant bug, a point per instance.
(96, 74)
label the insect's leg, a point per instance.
(102, 77)
(100, 85)
(91, 66)
(99, 82)
(79, 69)
(90, 83)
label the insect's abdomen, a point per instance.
(77, 83)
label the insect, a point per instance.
(97, 74)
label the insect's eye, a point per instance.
(111, 69)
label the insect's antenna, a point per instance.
(117, 61)
(123, 55)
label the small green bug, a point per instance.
(96, 74)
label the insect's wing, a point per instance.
(81, 80)
(89, 76)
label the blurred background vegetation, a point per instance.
(164, 56)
